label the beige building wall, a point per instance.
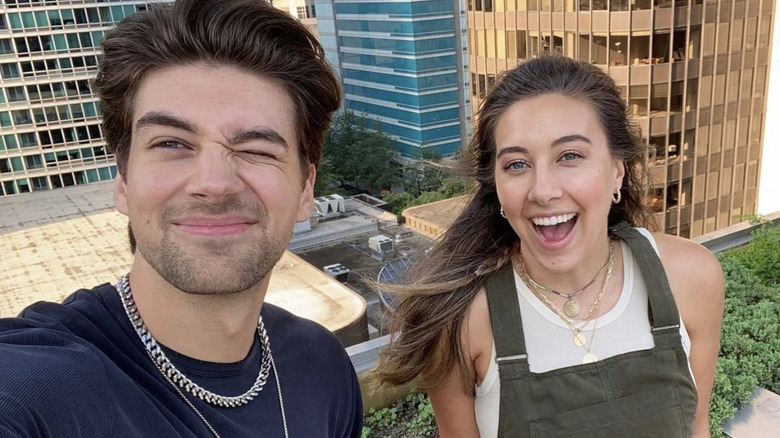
(693, 72)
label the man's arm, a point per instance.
(50, 385)
(355, 423)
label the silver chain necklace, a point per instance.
(179, 381)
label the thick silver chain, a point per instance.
(168, 369)
(179, 381)
(206, 422)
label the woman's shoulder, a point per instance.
(477, 334)
(684, 257)
(695, 276)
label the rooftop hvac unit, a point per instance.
(330, 205)
(380, 246)
(337, 271)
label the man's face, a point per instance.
(213, 184)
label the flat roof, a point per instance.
(53, 243)
(434, 218)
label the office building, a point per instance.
(50, 134)
(404, 64)
(693, 72)
(303, 10)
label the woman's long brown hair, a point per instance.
(435, 300)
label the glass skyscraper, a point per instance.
(693, 73)
(403, 63)
(50, 134)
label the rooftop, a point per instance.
(56, 242)
(433, 219)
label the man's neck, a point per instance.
(213, 328)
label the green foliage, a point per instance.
(424, 423)
(762, 256)
(381, 419)
(750, 339)
(411, 417)
(356, 157)
(449, 187)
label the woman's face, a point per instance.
(555, 178)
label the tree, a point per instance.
(357, 157)
(449, 187)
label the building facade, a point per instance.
(303, 10)
(693, 72)
(50, 133)
(403, 63)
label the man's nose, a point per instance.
(214, 174)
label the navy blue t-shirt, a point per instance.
(78, 370)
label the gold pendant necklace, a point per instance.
(571, 308)
(580, 339)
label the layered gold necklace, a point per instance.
(571, 308)
(577, 327)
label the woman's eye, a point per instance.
(515, 165)
(570, 156)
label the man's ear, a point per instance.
(306, 201)
(120, 194)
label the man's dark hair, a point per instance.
(250, 35)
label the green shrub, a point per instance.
(411, 417)
(750, 338)
(762, 255)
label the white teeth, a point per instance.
(554, 220)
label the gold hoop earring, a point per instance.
(616, 197)
(501, 212)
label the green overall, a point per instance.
(646, 393)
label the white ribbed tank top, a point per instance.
(623, 328)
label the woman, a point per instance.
(541, 312)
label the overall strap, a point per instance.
(505, 317)
(663, 310)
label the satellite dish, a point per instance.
(391, 273)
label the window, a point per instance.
(23, 185)
(21, 117)
(15, 94)
(40, 183)
(9, 71)
(5, 121)
(33, 162)
(28, 139)
(5, 47)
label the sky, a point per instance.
(769, 184)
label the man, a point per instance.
(215, 110)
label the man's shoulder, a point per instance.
(293, 328)
(47, 342)
(85, 306)
(48, 372)
(303, 340)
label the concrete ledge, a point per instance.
(364, 358)
(760, 418)
(733, 236)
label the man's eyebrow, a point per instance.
(261, 134)
(164, 119)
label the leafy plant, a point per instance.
(750, 339)
(411, 417)
(762, 255)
